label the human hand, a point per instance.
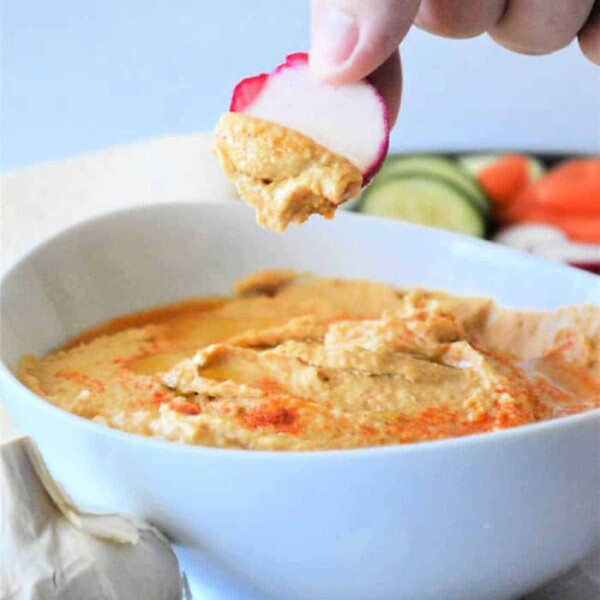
(355, 38)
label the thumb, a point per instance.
(351, 38)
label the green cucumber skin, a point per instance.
(471, 185)
(399, 176)
(489, 223)
(373, 189)
(351, 205)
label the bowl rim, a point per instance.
(342, 215)
(9, 379)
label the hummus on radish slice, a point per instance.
(283, 174)
(295, 146)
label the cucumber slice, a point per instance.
(438, 166)
(350, 205)
(475, 163)
(426, 201)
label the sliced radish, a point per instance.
(528, 236)
(349, 120)
(551, 243)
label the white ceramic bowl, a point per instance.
(487, 516)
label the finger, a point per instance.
(540, 26)
(388, 80)
(352, 38)
(589, 36)
(459, 18)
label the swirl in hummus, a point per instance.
(302, 363)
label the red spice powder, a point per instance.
(82, 379)
(511, 415)
(573, 409)
(366, 430)
(186, 408)
(345, 316)
(270, 386)
(435, 423)
(271, 415)
(559, 403)
(156, 398)
(565, 342)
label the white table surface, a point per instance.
(39, 201)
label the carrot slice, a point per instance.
(504, 178)
(571, 188)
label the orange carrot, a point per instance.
(572, 188)
(505, 178)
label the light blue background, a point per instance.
(81, 75)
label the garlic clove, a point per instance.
(51, 550)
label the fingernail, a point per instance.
(334, 39)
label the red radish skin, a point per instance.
(248, 91)
(591, 267)
(296, 58)
(383, 150)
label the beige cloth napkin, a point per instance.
(41, 200)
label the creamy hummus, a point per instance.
(283, 174)
(301, 363)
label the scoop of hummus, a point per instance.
(304, 363)
(283, 174)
